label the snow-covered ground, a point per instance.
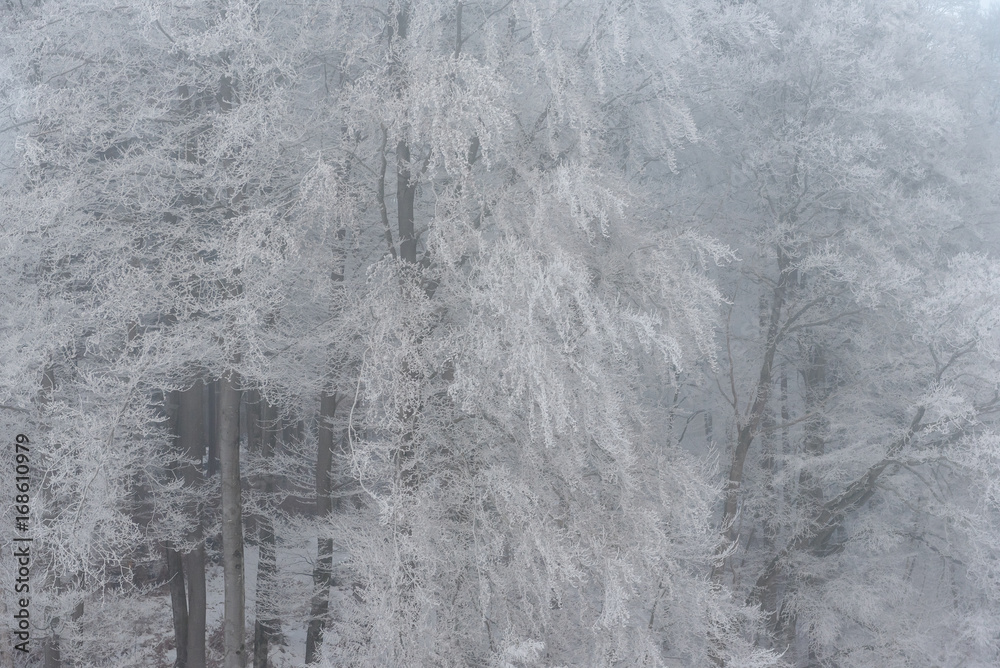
(152, 615)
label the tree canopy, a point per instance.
(504, 333)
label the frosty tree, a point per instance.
(843, 158)
(519, 333)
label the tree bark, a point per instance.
(322, 573)
(234, 627)
(194, 440)
(266, 625)
(194, 566)
(232, 523)
(51, 654)
(212, 423)
(178, 605)
(191, 443)
(817, 392)
(749, 425)
(405, 193)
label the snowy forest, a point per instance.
(500, 333)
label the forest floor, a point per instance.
(154, 640)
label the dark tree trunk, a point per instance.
(51, 654)
(212, 431)
(191, 443)
(322, 573)
(232, 522)
(178, 605)
(748, 425)
(405, 192)
(194, 566)
(266, 625)
(817, 393)
(291, 431)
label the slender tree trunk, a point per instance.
(195, 440)
(769, 459)
(261, 629)
(291, 431)
(322, 573)
(786, 416)
(232, 522)
(178, 605)
(788, 632)
(51, 654)
(234, 627)
(212, 431)
(406, 188)
(781, 619)
(266, 625)
(749, 424)
(814, 444)
(194, 566)
(405, 193)
(191, 437)
(810, 486)
(769, 512)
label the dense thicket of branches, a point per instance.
(504, 333)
